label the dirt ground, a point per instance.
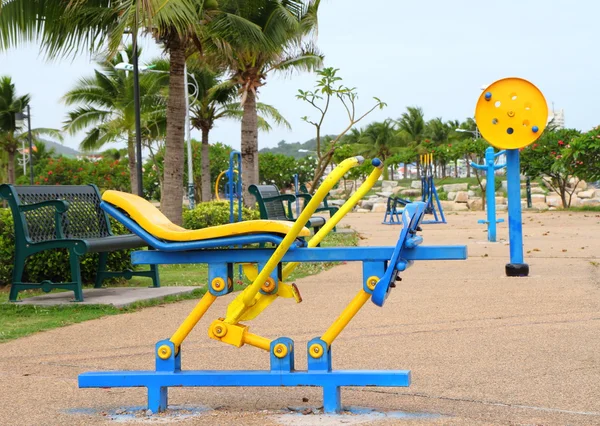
(483, 349)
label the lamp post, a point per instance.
(126, 66)
(19, 122)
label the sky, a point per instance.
(435, 54)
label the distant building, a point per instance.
(558, 118)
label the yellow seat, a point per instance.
(155, 223)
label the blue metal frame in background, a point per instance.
(384, 262)
(429, 194)
(490, 190)
(231, 182)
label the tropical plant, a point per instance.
(549, 157)
(11, 136)
(584, 154)
(70, 26)
(412, 124)
(328, 87)
(105, 106)
(215, 99)
(286, 30)
(381, 140)
(10, 105)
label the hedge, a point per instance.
(54, 264)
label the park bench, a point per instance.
(65, 217)
(271, 205)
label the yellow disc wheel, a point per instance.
(164, 351)
(511, 113)
(280, 350)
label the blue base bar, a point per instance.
(158, 381)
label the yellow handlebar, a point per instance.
(343, 211)
(244, 299)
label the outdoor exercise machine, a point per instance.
(393, 210)
(490, 168)
(233, 187)
(512, 113)
(429, 193)
(265, 268)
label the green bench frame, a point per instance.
(65, 217)
(271, 205)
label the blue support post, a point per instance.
(490, 190)
(517, 267)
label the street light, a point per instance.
(126, 66)
(20, 122)
(473, 132)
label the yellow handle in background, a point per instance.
(337, 217)
(236, 308)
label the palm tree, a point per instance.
(10, 105)
(439, 132)
(285, 26)
(215, 100)
(105, 106)
(379, 140)
(412, 124)
(66, 27)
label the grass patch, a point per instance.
(583, 209)
(23, 320)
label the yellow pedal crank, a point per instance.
(236, 335)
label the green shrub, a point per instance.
(54, 264)
(214, 213)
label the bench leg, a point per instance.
(101, 268)
(76, 275)
(155, 276)
(18, 270)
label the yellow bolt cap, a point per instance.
(316, 350)
(280, 350)
(164, 352)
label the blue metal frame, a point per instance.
(384, 262)
(490, 190)
(517, 265)
(428, 195)
(234, 193)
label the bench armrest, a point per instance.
(60, 206)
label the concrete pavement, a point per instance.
(483, 349)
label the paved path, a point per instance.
(483, 349)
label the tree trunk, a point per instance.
(171, 202)
(249, 147)
(468, 166)
(206, 186)
(456, 168)
(386, 173)
(11, 166)
(405, 171)
(131, 159)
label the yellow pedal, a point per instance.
(289, 291)
(250, 271)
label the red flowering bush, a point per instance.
(549, 156)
